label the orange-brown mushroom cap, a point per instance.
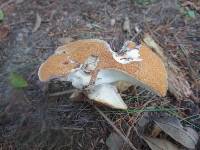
(150, 71)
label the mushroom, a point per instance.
(107, 94)
(92, 66)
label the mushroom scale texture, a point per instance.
(149, 72)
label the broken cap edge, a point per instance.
(56, 66)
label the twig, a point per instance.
(62, 93)
(37, 23)
(68, 128)
(115, 128)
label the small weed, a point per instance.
(17, 81)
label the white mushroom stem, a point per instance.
(81, 77)
(107, 94)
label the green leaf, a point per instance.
(191, 14)
(17, 81)
(1, 15)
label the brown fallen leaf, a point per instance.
(151, 43)
(156, 131)
(4, 30)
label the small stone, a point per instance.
(112, 22)
(20, 37)
(65, 40)
(126, 25)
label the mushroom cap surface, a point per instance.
(150, 71)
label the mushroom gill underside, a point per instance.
(106, 91)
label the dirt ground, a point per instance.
(30, 119)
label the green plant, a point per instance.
(17, 81)
(1, 15)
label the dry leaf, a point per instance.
(192, 132)
(4, 30)
(37, 23)
(179, 85)
(172, 126)
(151, 43)
(156, 131)
(160, 144)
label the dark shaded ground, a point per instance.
(29, 119)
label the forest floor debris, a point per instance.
(32, 119)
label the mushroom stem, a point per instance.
(106, 94)
(90, 64)
(80, 77)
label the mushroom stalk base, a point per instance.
(107, 94)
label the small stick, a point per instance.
(115, 128)
(68, 128)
